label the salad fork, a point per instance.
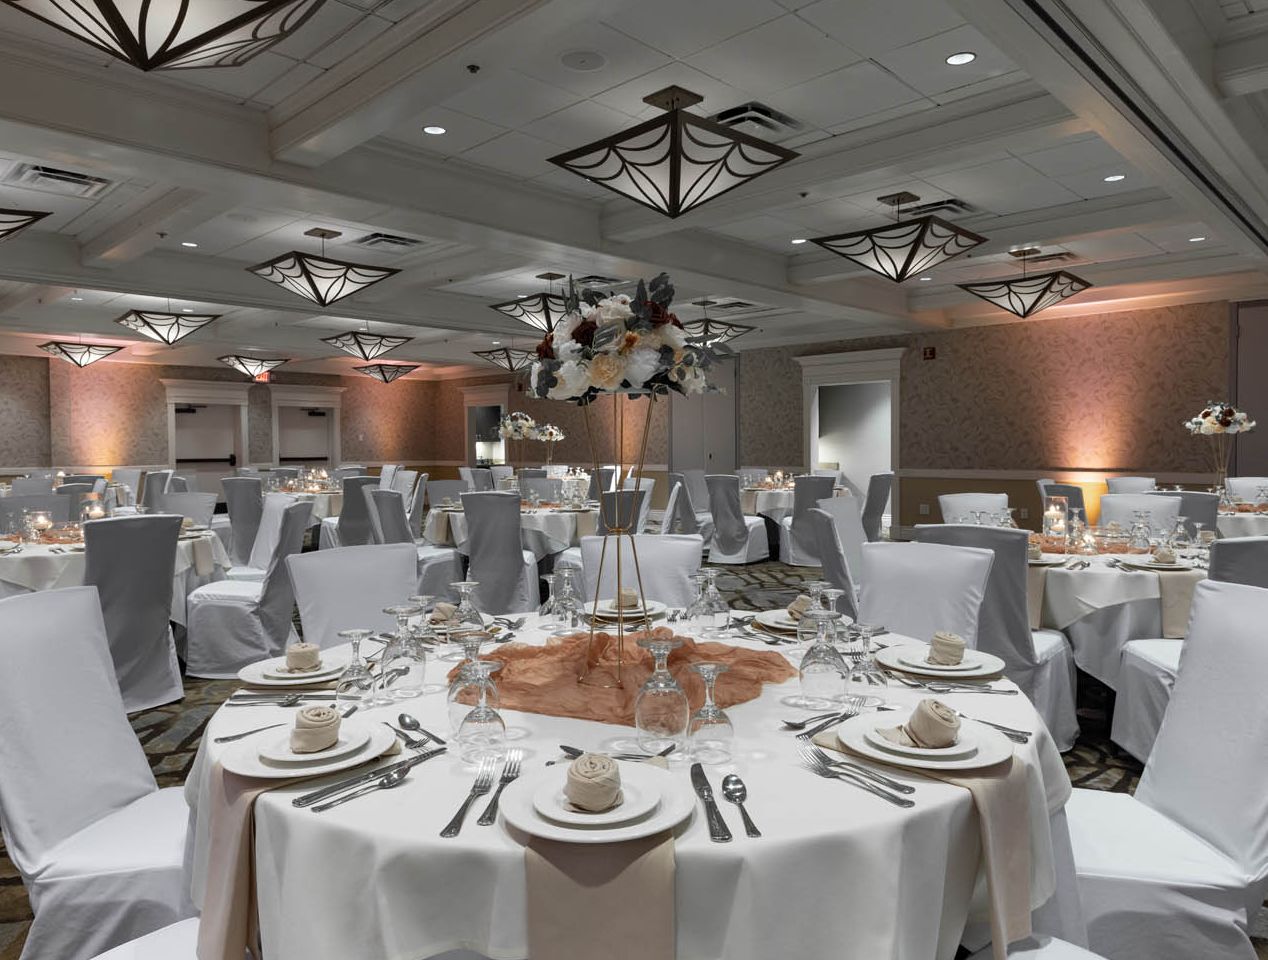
(819, 754)
(510, 770)
(482, 785)
(852, 710)
(845, 776)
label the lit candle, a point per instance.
(41, 522)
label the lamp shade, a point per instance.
(15, 221)
(387, 372)
(80, 354)
(707, 332)
(1026, 296)
(165, 327)
(251, 366)
(508, 358)
(367, 346)
(540, 311)
(901, 250)
(319, 279)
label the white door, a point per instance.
(1252, 388)
(702, 428)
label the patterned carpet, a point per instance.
(171, 734)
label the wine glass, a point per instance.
(814, 590)
(355, 685)
(715, 612)
(404, 664)
(547, 609)
(1179, 539)
(567, 603)
(482, 733)
(462, 691)
(830, 597)
(661, 710)
(823, 670)
(711, 730)
(693, 615)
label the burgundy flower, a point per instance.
(583, 333)
(546, 349)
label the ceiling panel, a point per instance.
(1091, 183)
(1074, 156)
(681, 29)
(873, 27)
(294, 80)
(510, 99)
(1176, 238)
(628, 97)
(327, 23)
(1005, 186)
(774, 56)
(515, 153)
(579, 124)
(853, 92)
(461, 131)
(923, 64)
(624, 58)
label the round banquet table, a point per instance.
(544, 531)
(837, 872)
(199, 560)
(1103, 606)
(1242, 524)
(324, 504)
(772, 504)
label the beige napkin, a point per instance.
(443, 611)
(1175, 590)
(303, 657)
(1003, 811)
(1036, 577)
(316, 729)
(797, 609)
(931, 725)
(442, 533)
(627, 598)
(946, 648)
(594, 783)
(203, 556)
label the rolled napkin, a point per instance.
(627, 597)
(946, 649)
(932, 725)
(316, 728)
(303, 657)
(1164, 555)
(443, 611)
(186, 523)
(1034, 552)
(594, 783)
(797, 609)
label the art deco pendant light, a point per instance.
(541, 311)
(1027, 295)
(80, 354)
(165, 327)
(321, 279)
(387, 372)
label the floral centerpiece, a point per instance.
(550, 435)
(517, 426)
(1221, 422)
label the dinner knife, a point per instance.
(719, 832)
(315, 796)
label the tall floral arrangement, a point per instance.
(1221, 422)
(550, 435)
(517, 426)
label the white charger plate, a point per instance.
(606, 609)
(640, 789)
(992, 746)
(352, 736)
(327, 671)
(919, 659)
(243, 758)
(253, 673)
(777, 620)
(677, 804)
(895, 657)
(965, 745)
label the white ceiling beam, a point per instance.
(26, 293)
(1241, 64)
(873, 157)
(161, 209)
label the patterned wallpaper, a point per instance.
(24, 411)
(576, 448)
(1094, 392)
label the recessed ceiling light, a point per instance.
(1115, 177)
(433, 130)
(187, 309)
(188, 243)
(923, 279)
(496, 343)
(1196, 239)
(800, 240)
(77, 298)
(960, 59)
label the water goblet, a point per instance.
(567, 603)
(716, 614)
(463, 691)
(661, 710)
(823, 670)
(547, 608)
(355, 686)
(693, 615)
(482, 733)
(403, 669)
(711, 730)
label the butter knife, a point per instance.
(308, 799)
(719, 832)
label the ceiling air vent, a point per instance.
(950, 207)
(387, 242)
(595, 280)
(68, 183)
(759, 120)
(1034, 257)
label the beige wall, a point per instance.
(24, 411)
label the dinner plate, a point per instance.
(965, 745)
(1152, 565)
(352, 736)
(895, 657)
(1048, 561)
(606, 609)
(253, 673)
(244, 758)
(777, 620)
(992, 746)
(276, 670)
(640, 788)
(918, 657)
(677, 802)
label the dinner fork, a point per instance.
(483, 784)
(851, 710)
(897, 785)
(510, 770)
(833, 773)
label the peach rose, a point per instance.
(606, 371)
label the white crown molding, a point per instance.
(206, 391)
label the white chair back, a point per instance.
(74, 493)
(30, 485)
(844, 512)
(501, 472)
(730, 532)
(277, 596)
(354, 516)
(61, 769)
(267, 533)
(533, 473)
(669, 519)
(343, 471)
(387, 473)
(545, 488)
(1119, 507)
(664, 565)
(960, 507)
(1073, 494)
(11, 507)
(836, 567)
(88, 478)
(950, 583)
(387, 515)
(1130, 484)
(494, 546)
(1209, 767)
(464, 474)
(808, 490)
(877, 499)
(697, 487)
(646, 486)
(131, 479)
(246, 472)
(1245, 488)
(403, 482)
(681, 510)
(438, 491)
(1240, 560)
(601, 482)
(199, 507)
(130, 560)
(417, 506)
(244, 496)
(155, 485)
(1199, 508)
(481, 479)
(620, 509)
(180, 484)
(347, 588)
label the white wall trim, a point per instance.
(306, 395)
(207, 392)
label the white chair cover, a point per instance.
(354, 528)
(155, 484)
(681, 512)
(647, 486)
(1240, 560)
(30, 485)
(347, 588)
(387, 516)
(178, 484)
(130, 561)
(372, 511)
(1032, 948)
(1173, 871)
(98, 845)
(11, 507)
(438, 491)
(664, 565)
(1072, 492)
(845, 516)
(618, 510)
(387, 473)
(532, 473)
(736, 538)
(246, 472)
(179, 941)
(949, 581)
(131, 479)
(697, 487)
(266, 535)
(403, 482)
(797, 541)
(836, 568)
(669, 519)
(236, 622)
(546, 488)
(960, 507)
(417, 507)
(501, 472)
(506, 572)
(437, 566)
(1199, 509)
(244, 496)
(465, 475)
(481, 479)
(602, 482)
(1040, 662)
(1130, 484)
(878, 489)
(346, 470)
(199, 507)
(74, 493)
(88, 478)
(1245, 488)
(1119, 507)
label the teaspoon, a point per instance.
(734, 790)
(411, 724)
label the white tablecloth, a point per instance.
(1243, 525)
(775, 504)
(38, 568)
(838, 873)
(545, 532)
(324, 504)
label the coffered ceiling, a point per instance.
(1140, 159)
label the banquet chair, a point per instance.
(153, 485)
(438, 567)
(22, 486)
(601, 482)
(797, 544)
(1172, 872)
(648, 487)
(129, 478)
(1119, 508)
(246, 472)
(505, 571)
(1041, 661)
(236, 622)
(532, 473)
(481, 479)
(1032, 948)
(347, 588)
(1072, 492)
(244, 496)
(198, 507)
(131, 561)
(387, 473)
(1199, 508)
(88, 478)
(352, 527)
(178, 484)
(736, 538)
(74, 492)
(617, 509)
(343, 471)
(836, 567)
(950, 583)
(844, 512)
(178, 941)
(547, 490)
(438, 491)
(266, 535)
(417, 507)
(669, 518)
(696, 486)
(879, 486)
(501, 472)
(11, 507)
(283, 474)
(665, 564)
(960, 507)
(1130, 484)
(681, 515)
(404, 482)
(1148, 669)
(98, 846)
(1245, 488)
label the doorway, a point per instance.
(702, 426)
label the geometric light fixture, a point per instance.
(1027, 295)
(252, 367)
(541, 310)
(367, 346)
(80, 354)
(174, 33)
(508, 358)
(14, 221)
(675, 162)
(900, 250)
(387, 372)
(320, 278)
(165, 327)
(707, 332)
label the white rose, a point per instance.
(641, 365)
(570, 350)
(573, 380)
(673, 336)
(567, 324)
